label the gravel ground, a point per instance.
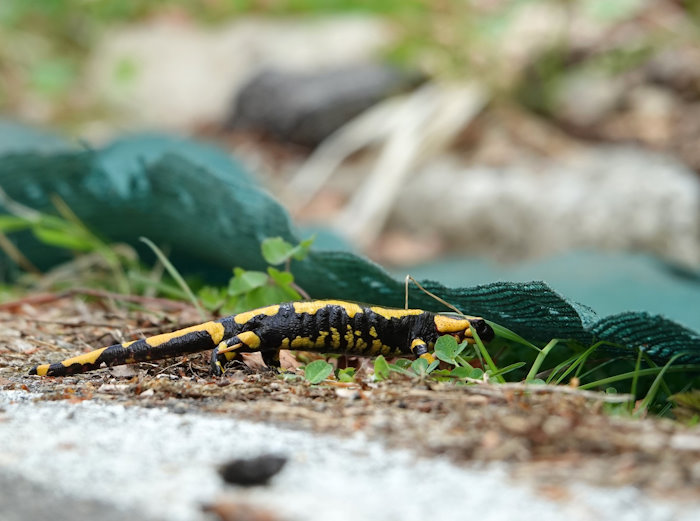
(89, 457)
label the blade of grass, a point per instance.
(652, 371)
(635, 379)
(651, 363)
(565, 365)
(509, 368)
(17, 256)
(485, 354)
(581, 360)
(142, 283)
(540, 358)
(175, 275)
(594, 369)
(654, 389)
(107, 253)
(507, 334)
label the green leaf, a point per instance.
(277, 295)
(381, 368)
(261, 297)
(276, 250)
(403, 363)
(232, 306)
(211, 297)
(461, 372)
(477, 373)
(290, 294)
(396, 369)
(447, 349)
(283, 278)
(317, 371)
(420, 366)
(302, 249)
(245, 281)
(12, 223)
(63, 239)
(346, 375)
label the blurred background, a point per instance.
(463, 141)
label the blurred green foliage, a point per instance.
(43, 43)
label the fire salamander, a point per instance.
(327, 326)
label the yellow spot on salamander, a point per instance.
(215, 330)
(448, 325)
(335, 338)
(229, 355)
(242, 318)
(302, 342)
(87, 358)
(376, 346)
(389, 313)
(284, 344)
(250, 339)
(312, 307)
(373, 332)
(41, 370)
(429, 357)
(321, 339)
(349, 338)
(416, 342)
(360, 344)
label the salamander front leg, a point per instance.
(229, 350)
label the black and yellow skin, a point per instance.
(326, 326)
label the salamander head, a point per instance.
(459, 328)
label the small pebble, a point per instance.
(252, 471)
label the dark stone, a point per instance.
(304, 108)
(252, 471)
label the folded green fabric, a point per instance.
(202, 205)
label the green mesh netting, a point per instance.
(203, 206)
